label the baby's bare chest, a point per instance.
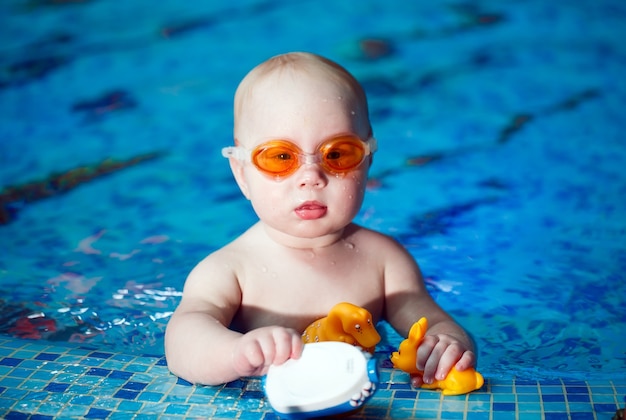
(296, 293)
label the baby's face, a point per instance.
(311, 203)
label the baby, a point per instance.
(303, 148)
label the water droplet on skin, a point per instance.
(264, 269)
(349, 245)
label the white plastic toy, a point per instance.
(329, 378)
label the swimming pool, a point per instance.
(500, 167)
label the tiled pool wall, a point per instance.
(43, 380)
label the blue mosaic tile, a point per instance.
(478, 415)
(15, 415)
(405, 394)
(179, 409)
(181, 381)
(552, 398)
(580, 407)
(400, 386)
(174, 398)
(402, 404)
(10, 361)
(47, 356)
(151, 396)
(556, 416)
(56, 387)
(427, 404)
(135, 386)
(605, 408)
(98, 372)
(503, 406)
(100, 355)
(582, 416)
(528, 398)
(526, 389)
(125, 394)
(83, 399)
(573, 398)
(421, 414)
(503, 415)
(426, 395)
(533, 407)
(451, 415)
(553, 407)
(237, 384)
(449, 405)
(578, 389)
(97, 413)
(253, 394)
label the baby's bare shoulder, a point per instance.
(371, 239)
(221, 267)
(382, 248)
(231, 255)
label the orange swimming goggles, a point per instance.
(281, 158)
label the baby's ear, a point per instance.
(236, 166)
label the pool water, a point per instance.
(500, 164)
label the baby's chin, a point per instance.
(307, 237)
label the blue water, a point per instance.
(501, 163)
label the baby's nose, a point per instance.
(312, 175)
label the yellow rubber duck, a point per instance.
(456, 383)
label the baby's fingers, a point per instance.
(454, 356)
(260, 348)
(425, 350)
(287, 345)
(248, 357)
(417, 380)
(428, 355)
(449, 358)
(467, 361)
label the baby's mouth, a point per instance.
(311, 210)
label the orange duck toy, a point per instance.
(456, 383)
(347, 323)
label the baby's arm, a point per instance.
(199, 346)
(446, 344)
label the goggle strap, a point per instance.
(236, 152)
(373, 144)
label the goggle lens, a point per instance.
(343, 155)
(277, 157)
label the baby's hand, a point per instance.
(260, 348)
(437, 354)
